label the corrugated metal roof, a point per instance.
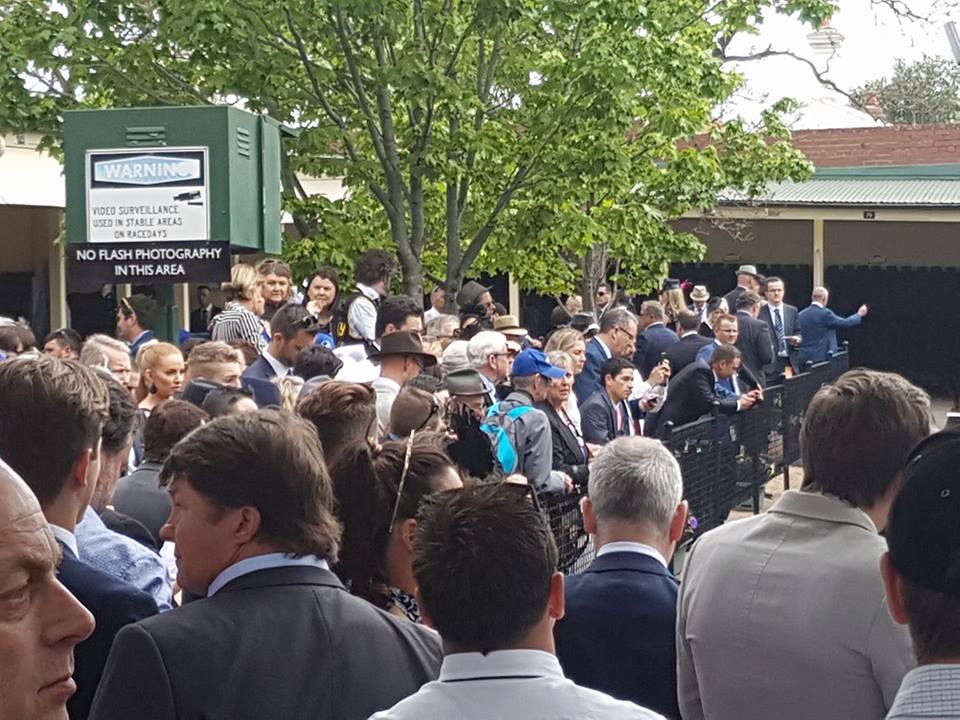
(873, 192)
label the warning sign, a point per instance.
(147, 194)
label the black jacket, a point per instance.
(567, 456)
(684, 352)
(652, 342)
(755, 344)
(279, 643)
(690, 395)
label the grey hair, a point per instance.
(654, 309)
(92, 351)
(442, 326)
(561, 359)
(635, 480)
(819, 294)
(617, 317)
(483, 345)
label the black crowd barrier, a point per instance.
(725, 460)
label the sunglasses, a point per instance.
(523, 490)
(403, 480)
(435, 409)
(68, 334)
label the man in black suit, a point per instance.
(606, 415)
(747, 279)
(693, 393)
(782, 321)
(277, 636)
(655, 338)
(201, 317)
(45, 621)
(46, 399)
(618, 633)
(292, 329)
(754, 338)
(684, 352)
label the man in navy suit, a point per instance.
(818, 328)
(747, 279)
(618, 334)
(655, 338)
(753, 337)
(292, 329)
(684, 352)
(67, 401)
(618, 633)
(606, 415)
(782, 319)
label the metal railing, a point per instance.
(725, 460)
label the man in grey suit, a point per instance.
(799, 588)
(277, 635)
(781, 319)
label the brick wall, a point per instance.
(894, 145)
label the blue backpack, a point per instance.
(503, 449)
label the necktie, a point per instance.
(778, 325)
(619, 414)
(204, 320)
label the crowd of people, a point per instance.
(327, 506)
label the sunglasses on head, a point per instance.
(403, 480)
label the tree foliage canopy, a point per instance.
(539, 137)
(926, 91)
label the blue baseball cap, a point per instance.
(534, 362)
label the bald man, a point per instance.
(818, 328)
(40, 621)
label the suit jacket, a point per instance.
(196, 322)
(598, 418)
(818, 326)
(618, 635)
(113, 604)
(652, 342)
(140, 496)
(789, 315)
(755, 345)
(684, 352)
(706, 331)
(731, 298)
(567, 455)
(260, 369)
(690, 395)
(275, 644)
(811, 558)
(588, 381)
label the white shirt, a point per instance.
(634, 547)
(362, 317)
(603, 346)
(387, 391)
(929, 691)
(279, 369)
(66, 537)
(262, 562)
(430, 315)
(506, 684)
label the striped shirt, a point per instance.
(929, 691)
(238, 323)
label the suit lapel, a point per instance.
(565, 433)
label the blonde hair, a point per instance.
(243, 285)
(148, 358)
(290, 386)
(673, 303)
(564, 340)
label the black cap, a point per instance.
(923, 534)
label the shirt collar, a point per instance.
(262, 562)
(499, 664)
(688, 334)
(390, 383)
(65, 537)
(368, 292)
(634, 547)
(603, 346)
(775, 307)
(929, 691)
(818, 303)
(278, 367)
(822, 507)
(144, 335)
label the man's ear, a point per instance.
(408, 529)
(556, 603)
(81, 467)
(246, 524)
(589, 515)
(893, 584)
(679, 522)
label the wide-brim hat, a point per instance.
(403, 342)
(747, 270)
(509, 325)
(469, 293)
(700, 293)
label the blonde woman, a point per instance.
(671, 297)
(161, 375)
(571, 342)
(240, 320)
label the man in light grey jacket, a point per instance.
(783, 615)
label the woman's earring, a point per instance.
(152, 389)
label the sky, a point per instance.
(873, 39)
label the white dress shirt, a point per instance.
(67, 538)
(929, 691)
(634, 547)
(262, 562)
(506, 684)
(279, 369)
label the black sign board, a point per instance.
(95, 264)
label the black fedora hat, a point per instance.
(403, 342)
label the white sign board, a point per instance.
(147, 195)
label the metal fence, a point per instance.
(725, 460)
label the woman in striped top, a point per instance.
(240, 319)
